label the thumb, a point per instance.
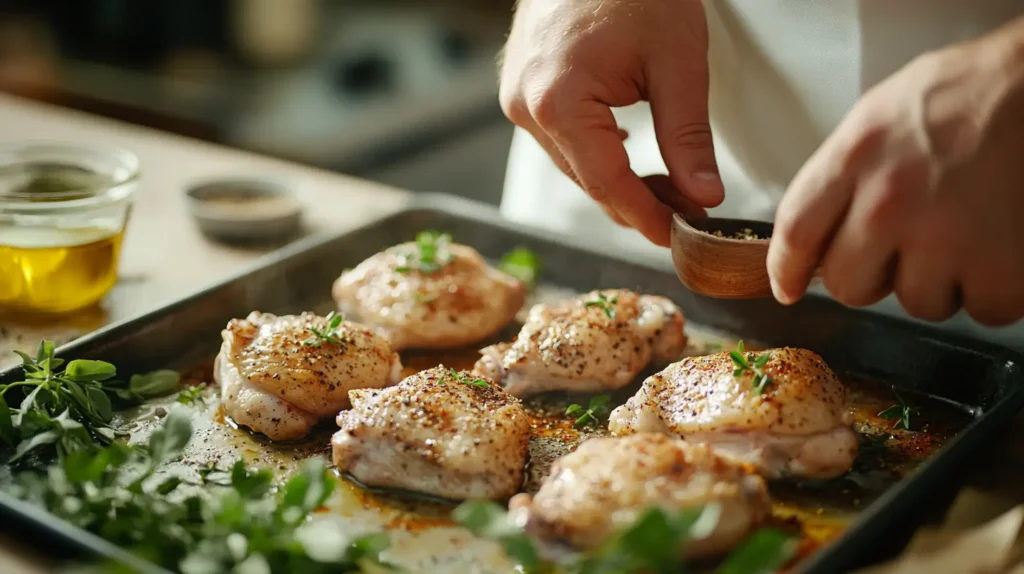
(679, 104)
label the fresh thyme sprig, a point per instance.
(328, 335)
(466, 379)
(654, 543)
(430, 254)
(755, 367)
(606, 304)
(522, 264)
(585, 416)
(899, 412)
(69, 410)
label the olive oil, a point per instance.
(56, 270)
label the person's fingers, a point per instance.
(858, 265)
(667, 193)
(549, 146)
(623, 134)
(613, 215)
(926, 287)
(589, 138)
(812, 209)
(679, 105)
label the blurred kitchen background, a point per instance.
(399, 91)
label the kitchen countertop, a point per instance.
(165, 257)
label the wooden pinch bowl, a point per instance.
(721, 267)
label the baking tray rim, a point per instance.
(887, 503)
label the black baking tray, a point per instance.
(986, 379)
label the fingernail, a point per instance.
(709, 185)
(779, 294)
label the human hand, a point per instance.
(920, 190)
(568, 62)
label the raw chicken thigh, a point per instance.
(281, 375)
(430, 294)
(438, 432)
(608, 483)
(598, 341)
(798, 424)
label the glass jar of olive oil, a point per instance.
(63, 210)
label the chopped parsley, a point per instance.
(604, 303)
(586, 416)
(328, 335)
(755, 367)
(429, 255)
(899, 412)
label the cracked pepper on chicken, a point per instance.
(437, 432)
(444, 297)
(798, 425)
(279, 378)
(597, 341)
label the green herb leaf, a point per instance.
(900, 412)
(466, 379)
(155, 384)
(7, 433)
(329, 335)
(192, 395)
(763, 552)
(760, 379)
(34, 442)
(430, 254)
(607, 305)
(522, 264)
(170, 439)
(596, 407)
(83, 370)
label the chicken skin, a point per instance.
(608, 483)
(598, 341)
(430, 294)
(799, 424)
(438, 432)
(281, 375)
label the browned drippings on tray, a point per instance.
(820, 510)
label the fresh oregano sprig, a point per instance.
(239, 523)
(596, 407)
(755, 367)
(62, 411)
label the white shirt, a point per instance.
(783, 75)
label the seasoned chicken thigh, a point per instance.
(430, 294)
(598, 341)
(437, 432)
(608, 483)
(798, 424)
(280, 375)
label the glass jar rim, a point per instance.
(118, 189)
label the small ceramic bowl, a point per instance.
(245, 210)
(723, 258)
